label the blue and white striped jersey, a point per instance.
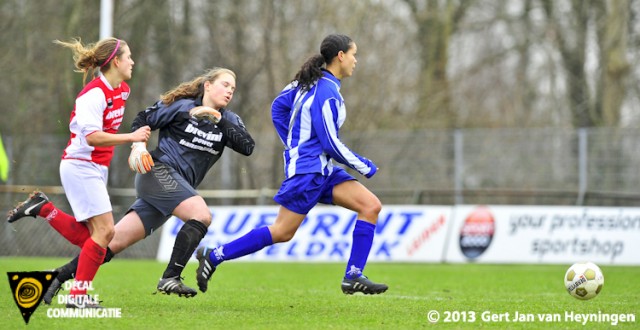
(308, 123)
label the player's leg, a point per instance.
(297, 195)
(140, 221)
(91, 257)
(169, 193)
(282, 230)
(67, 272)
(356, 197)
(198, 217)
(85, 185)
(38, 204)
(128, 231)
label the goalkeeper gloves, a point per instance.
(140, 159)
(208, 113)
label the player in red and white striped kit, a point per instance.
(95, 119)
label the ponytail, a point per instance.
(90, 57)
(311, 70)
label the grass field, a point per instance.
(250, 295)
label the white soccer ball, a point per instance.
(584, 280)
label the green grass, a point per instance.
(250, 295)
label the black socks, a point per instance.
(187, 241)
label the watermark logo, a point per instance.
(28, 289)
(81, 305)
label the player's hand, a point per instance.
(140, 159)
(142, 134)
(209, 113)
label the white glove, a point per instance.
(208, 113)
(140, 159)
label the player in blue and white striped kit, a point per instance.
(307, 116)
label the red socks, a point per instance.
(91, 255)
(90, 259)
(75, 232)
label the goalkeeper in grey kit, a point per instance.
(194, 129)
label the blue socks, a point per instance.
(259, 238)
(360, 248)
(253, 241)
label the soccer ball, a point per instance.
(584, 280)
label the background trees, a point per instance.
(422, 65)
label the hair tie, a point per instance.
(112, 54)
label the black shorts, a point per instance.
(159, 193)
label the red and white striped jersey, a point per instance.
(98, 107)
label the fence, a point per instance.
(533, 166)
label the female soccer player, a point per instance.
(195, 127)
(307, 116)
(99, 109)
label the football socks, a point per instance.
(360, 248)
(90, 259)
(187, 241)
(75, 232)
(253, 241)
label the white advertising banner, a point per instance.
(464, 233)
(545, 234)
(403, 233)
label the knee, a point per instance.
(281, 235)
(203, 216)
(205, 220)
(106, 233)
(109, 233)
(371, 209)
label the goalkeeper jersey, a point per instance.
(308, 123)
(98, 107)
(191, 146)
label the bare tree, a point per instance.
(437, 21)
(614, 66)
(422, 64)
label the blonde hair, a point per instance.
(195, 87)
(92, 56)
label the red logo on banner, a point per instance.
(477, 232)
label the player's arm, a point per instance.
(89, 111)
(238, 137)
(326, 128)
(103, 139)
(161, 115)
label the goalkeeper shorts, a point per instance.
(163, 187)
(151, 218)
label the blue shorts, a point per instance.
(301, 192)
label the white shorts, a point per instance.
(85, 184)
